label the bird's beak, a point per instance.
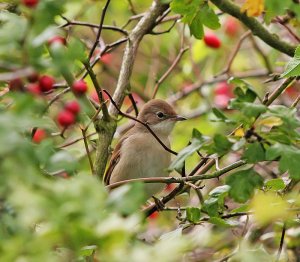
(179, 118)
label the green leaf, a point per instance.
(222, 222)
(196, 27)
(193, 214)
(254, 153)
(293, 66)
(243, 183)
(209, 18)
(219, 191)
(248, 109)
(275, 184)
(244, 91)
(221, 144)
(214, 205)
(196, 143)
(128, 198)
(274, 8)
(289, 158)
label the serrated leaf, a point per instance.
(275, 184)
(293, 66)
(243, 183)
(221, 144)
(289, 158)
(254, 153)
(209, 18)
(193, 214)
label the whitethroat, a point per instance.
(138, 153)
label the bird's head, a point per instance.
(160, 116)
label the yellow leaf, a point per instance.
(253, 7)
(239, 132)
(270, 121)
(269, 207)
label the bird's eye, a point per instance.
(160, 114)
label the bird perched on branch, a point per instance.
(138, 153)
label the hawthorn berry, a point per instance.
(231, 26)
(95, 97)
(211, 40)
(79, 87)
(30, 3)
(46, 83)
(34, 77)
(34, 88)
(65, 118)
(154, 215)
(39, 135)
(223, 88)
(73, 107)
(57, 39)
(15, 84)
(106, 58)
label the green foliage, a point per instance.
(196, 143)
(243, 183)
(254, 153)
(289, 158)
(214, 205)
(293, 66)
(275, 184)
(196, 13)
(193, 214)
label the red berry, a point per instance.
(106, 59)
(170, 187)
(39, 135)
(223, 88)
(34, 88)
(30, 3)
(57, 39)
(212, 40)
(65, 118)
(231, 26)
(64, 175)
(34, 77)
(46, 83)
(154, 215)
(73, 107)
(79, 87)
(15, 84)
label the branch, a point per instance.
(144, 26)
(104, 129)
(170, 69)
(100, 29)
(255, 26)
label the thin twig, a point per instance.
(100, 29)
(87, 150)
(281, 242)
(170, 69)
(98, 90)
(227, 68)
(180, 180)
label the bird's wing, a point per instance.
(115, 158)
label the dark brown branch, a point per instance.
(100, 29)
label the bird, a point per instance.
(138, 154)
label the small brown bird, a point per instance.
(138, 154)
